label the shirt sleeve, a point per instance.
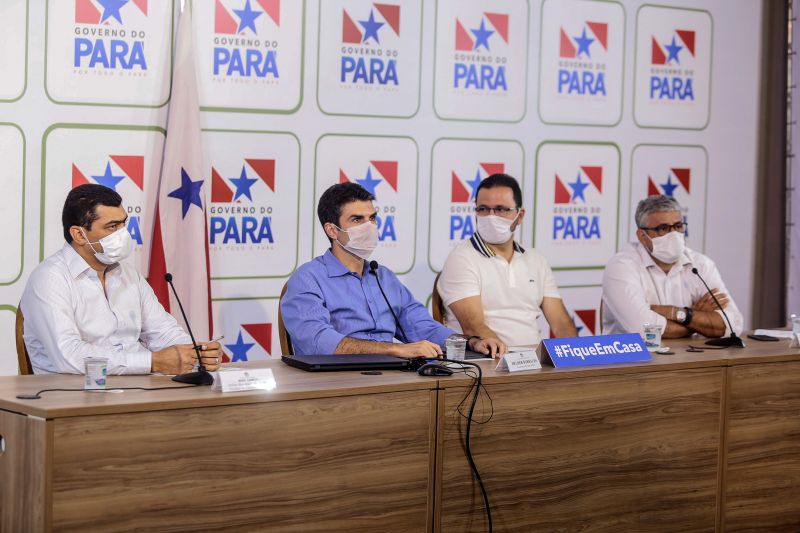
(416, 321)
(159, 328)
(711, 274)
(549, 287)
(624, 299)
(50, 329)
(306, 317)
(460, 278)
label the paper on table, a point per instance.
(522, 348)
(780, 333)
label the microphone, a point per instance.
(732, 340)
(202, 376)
(373, 269)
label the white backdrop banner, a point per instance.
(591, 105)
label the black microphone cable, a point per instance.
(373, 269)
(477, 382)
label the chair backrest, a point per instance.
(24, 360)
(283, 335)
(437, 307)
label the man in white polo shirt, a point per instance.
(653, 281)
(490, 285)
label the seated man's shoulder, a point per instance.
(465, 251)
(627, 257)
(702, 262)
(308, 271)
(50, 271)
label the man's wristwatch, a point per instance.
(683, 316)
(469, 339)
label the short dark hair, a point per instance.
(330, 204)
(80, 207)
(501, 180)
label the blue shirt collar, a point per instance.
(333, 266)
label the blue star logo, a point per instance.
(188, 193)
(578, 188)
(482, 36)
(672, 51)
(243, 184)
(108, 179)
(111, 9)
(577, 327)
(247, 17)
(369, 183)
(473, 183)
(240, 349)
(371, 27)
(669, 187)
(583, 44)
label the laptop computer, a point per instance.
(469, 354)
(333, 363)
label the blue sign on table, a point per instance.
(597, 350)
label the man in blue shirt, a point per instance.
(333, 303)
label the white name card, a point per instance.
(518, 361)
(242, 379)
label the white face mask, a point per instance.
(116, 246)
(668, 248)
(494, 229)
(363, 239)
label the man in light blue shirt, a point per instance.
(333, 303)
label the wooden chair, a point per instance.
(437, 307)
(283, 335)
(24, 360)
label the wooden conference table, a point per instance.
(688, 442)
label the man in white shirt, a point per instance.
(82, 301)
(652, 282)
(490, 285)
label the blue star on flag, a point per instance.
(482, 36)
(108, 179)
(247, 17)
(243, 184)
(371, 27)
(111, 9)
(240, 349)
(672, 51)
(578, 188)
(188, 193)
(669, 187)
(369, 183)
(473, 183)
(583, 44)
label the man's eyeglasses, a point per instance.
(663, 229)
(500, 211)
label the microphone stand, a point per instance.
(373, 269)
(731, 341)
(201, 376)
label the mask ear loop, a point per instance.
(519, 210)
(89, 242)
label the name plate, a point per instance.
(242, 379)
(518, 361)
(597, 350)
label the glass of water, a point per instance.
(652, 337)
(795, 323)
(455, 347)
